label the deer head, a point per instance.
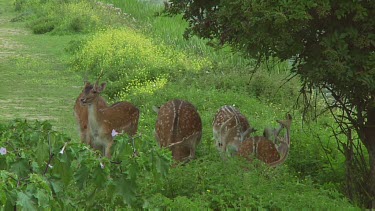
(121, 117)
(266, 150)
(178, 127)
(230, 128)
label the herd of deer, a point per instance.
(179, 128)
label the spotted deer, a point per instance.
(266, 150)
(122, 117)
(178, 127)
(81, 114)
(230, 128)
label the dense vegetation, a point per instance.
(331, 44)
(146, 62)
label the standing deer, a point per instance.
(230, 128)
(266, 150)
(81, 114)
(122, 117)
(179, 127)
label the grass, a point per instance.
(36, 83)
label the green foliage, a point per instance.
(209, 184)
(133, 62)
(45, 169)
(339, 32)
(332, 46)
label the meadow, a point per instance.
(48, 50)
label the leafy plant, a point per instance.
(45, 169)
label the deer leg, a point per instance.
(107, 144)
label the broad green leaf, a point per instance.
(62, 171)
(42, 154)
(21, 168)
(57, 186)
(125, 189)
(25, 202)
(81, 176)
(100, 177)
(43, 198)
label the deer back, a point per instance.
(266, 150)
(81, 115)
(121, 116)
(230, 128)
(178, 127)
(259, 147)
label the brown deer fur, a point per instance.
(266, 150)
(81, 115)
(122, 117)
(179, 127)
(230, 128)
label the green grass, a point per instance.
(36, 83)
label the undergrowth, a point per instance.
(43, 168)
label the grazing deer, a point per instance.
(122, 117)
(266, 150)
(81, 114)
(179, 127)
(230, 128)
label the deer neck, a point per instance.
(93, 116)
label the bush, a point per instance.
(70, 16)
(210, 183)
(132, 61)
(43, 169)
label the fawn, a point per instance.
(178, 127)
(230, 127)
(81, 114)
(265, 149)
(121, 117)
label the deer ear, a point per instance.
(102, 87)
(156, 109)
(247, 132)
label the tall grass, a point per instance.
(171, 29)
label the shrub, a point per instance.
(132, 61)
(67, 17)
(211, 183)
(44, 169)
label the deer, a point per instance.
(179, 128)
(230, 127)
(121, 117)
(81, 114)
(265, 149)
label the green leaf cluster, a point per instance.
(44, 169)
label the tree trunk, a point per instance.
(350, 185)
(369, 142)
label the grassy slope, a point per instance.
(37, 85)
(35, 81)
